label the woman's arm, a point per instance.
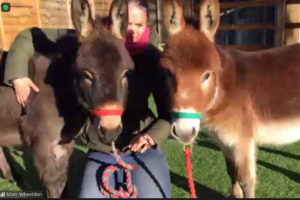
(160, 130)
(22, 50)
(161, 90)
(16, 66)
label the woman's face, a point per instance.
(137, 21)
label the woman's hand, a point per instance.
(141, 143)
(22, 88)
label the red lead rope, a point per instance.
(189, 168)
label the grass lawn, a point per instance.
(278, 170)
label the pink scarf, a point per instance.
(135, 48)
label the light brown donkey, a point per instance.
(246, 98)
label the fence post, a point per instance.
(38, 13)
(1, 32)
(281, 16)
(159, 6)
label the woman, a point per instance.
(143, 134)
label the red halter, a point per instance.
(100, 113)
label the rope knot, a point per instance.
(128, 190)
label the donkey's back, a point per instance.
(271, 85)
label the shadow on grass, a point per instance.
(202, 190)
(208, 145)
(285, 154)
(292, 175)
(206, 141)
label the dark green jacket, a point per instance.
(143, 81)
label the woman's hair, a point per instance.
(142, 4)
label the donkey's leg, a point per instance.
(52, 162)
(43, 134)
(237, 191)
(241, 166)
(9, 136)
(4, 166)
(232, 170)
(245, 160)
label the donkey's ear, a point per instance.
(173, 16)
(209, 17)
(119, 18)
(83, 15)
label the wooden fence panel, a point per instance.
(54, 13)
(292, 33)
(1, 32)
(23, 14)
(40, 13)
(102, 7)
(280, 26)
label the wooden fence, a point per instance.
(284, 27)
(56, 14)
(287, 11)
(39, 13)
(50, 14)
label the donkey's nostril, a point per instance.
(120, 128)
(102, 129)
(194, 133)
(174, 131)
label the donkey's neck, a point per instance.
(228, 95)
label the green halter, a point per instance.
(187, 115)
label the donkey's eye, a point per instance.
(88, 75)
(124, 73)
(124, 81)
(206, 76)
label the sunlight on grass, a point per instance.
(278, 170)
